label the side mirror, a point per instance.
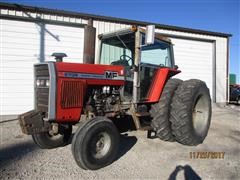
(175, 67)
(150, 34)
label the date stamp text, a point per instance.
(206, 155)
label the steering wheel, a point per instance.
(125, 57)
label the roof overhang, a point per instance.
(106, 18)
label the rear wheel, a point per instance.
(160, 111)
(191, 112)
(95, 143)
(46, 140)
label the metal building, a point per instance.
(29, 35)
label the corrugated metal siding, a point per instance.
(221, 67)
(20, 49)
(103, 27)
(60, 18)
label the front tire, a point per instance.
(191, 112)
(47, 141)
(95, 143)
(238, 100)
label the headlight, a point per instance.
(47, 82)
(38, 82)
(42, 83)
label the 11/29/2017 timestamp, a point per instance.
(206, 155)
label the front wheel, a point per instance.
(191, 112)
(95, 143)
(46, 140)
(238, 100)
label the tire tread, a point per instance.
(161, 111)
(181, 111)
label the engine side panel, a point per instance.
(94, 74)
(73, 79)
(70, 97)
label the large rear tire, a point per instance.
(95, 143)
(160, 112)
(191, 112)
(47, 141)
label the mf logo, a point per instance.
(110, 75)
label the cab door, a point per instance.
(153, 57)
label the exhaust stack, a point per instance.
(89, 43)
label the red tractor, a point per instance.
(131, 79)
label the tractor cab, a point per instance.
(129, 48)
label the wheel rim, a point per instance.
(53, 136)
(201, 114)
(100, 145)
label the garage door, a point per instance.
(194, 59)
(21, 46)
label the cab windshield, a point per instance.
(118, 50)
(157, 53)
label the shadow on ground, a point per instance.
(126, 143)
(234, 103)
(13, 152)
(124, 124)
(189, 173)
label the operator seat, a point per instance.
(128, 78)
(121, 63)
(125, 64)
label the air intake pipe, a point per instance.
(59, 56)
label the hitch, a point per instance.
(151, 134)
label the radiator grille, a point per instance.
(41, 92)
(41, 70)
(72, 94)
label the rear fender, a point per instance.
(160, 78)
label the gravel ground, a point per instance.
(138, 158)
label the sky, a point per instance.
(212, 15)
